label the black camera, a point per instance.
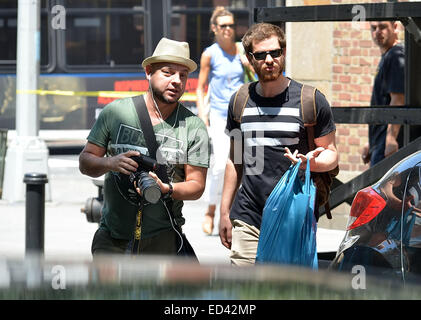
(150, 189)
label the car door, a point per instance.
(411, 225)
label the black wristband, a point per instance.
(170, 191)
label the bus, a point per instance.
(92, 50)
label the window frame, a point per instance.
(157, 17)
(51, 41)
(99, 68)
(169, 10)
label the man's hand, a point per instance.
(365, 153)
(93, 163)
(294, 157)
(165, 188)
(391, 146)
(190, 189)
(123, 163)
(161, 185)
(225, 230)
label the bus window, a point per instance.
(189, 21)
(110, 4)
(108, 35)
(269, 3)
(8, 35)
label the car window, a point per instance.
(412, 221)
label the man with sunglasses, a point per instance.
(271, 127)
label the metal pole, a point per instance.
(26, 152)
(412, 79)
(27, 68)
(35, 212)
(156, 8)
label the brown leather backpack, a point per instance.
(322, 180)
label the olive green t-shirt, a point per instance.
(182, 138)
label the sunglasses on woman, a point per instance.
(262, 54)
(224, 26)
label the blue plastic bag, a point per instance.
(288, 229)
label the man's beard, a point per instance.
(265, 76)
(158, 95)
(268, 76)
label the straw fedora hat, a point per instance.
(172, 51)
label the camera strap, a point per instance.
(149, 134)
(138, 231)
(153, 148)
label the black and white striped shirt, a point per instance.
(268, 125)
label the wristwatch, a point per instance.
(170, 191)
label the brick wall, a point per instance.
(344, 70)
(354, 63)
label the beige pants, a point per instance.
(244, 243)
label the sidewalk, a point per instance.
(68, 234)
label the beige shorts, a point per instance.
(245, 238)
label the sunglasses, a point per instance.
(262, 55)
(224, 26)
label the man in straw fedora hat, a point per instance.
(184, 150)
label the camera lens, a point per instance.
(150, 190)
(152, 194)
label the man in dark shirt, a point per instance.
(271, 129)
(388, 89)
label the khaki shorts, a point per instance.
(245, 238)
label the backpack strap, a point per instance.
(309, 114)
(240, 100)
(308, 111)
(308, 105)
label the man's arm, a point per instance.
(391, 146)
(232, 181)
(190, 189)
(93, 163)
(328, 158)
(322, 159)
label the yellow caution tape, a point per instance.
(187, 96)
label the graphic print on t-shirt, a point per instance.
(130, 138)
